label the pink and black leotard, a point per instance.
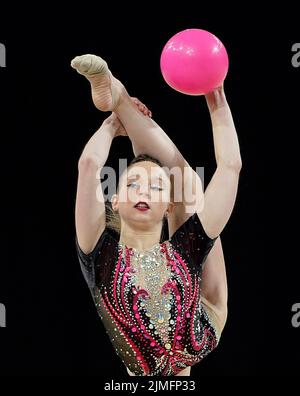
(150, 301)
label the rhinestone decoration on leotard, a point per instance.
(150, 311)
(150, 273)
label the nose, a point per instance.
(144, 189)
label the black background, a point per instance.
(47, 116)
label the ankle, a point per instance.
(124, 97)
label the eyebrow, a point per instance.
(159, 178)
(154, 178)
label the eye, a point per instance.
(132, 184)
(156, 187)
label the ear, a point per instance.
(115, 202)
(170, 208)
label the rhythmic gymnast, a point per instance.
(162, 301)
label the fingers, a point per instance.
(142, 108)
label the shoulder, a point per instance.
(191, 229)
(106, 239)
(97, 265)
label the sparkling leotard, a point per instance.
(149, 301)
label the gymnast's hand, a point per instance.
(118, 126)
(143, 108)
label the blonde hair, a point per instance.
(113, 220)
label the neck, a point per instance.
(140, 239)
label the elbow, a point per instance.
(235, 165)
(87, 161)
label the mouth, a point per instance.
(142, 206)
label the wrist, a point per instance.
(216, 99)
(108, 129)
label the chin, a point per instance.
(140, 219)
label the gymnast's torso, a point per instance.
(150, 301)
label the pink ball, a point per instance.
(194, 62)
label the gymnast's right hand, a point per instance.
(115, 125)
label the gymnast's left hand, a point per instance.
(121, 131)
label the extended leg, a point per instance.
(110, 95)
(214, 285)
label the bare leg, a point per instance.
(109, 94)
(214, 291)
(106, 89)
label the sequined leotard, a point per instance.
(149, 301)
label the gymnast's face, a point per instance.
(147, 183)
